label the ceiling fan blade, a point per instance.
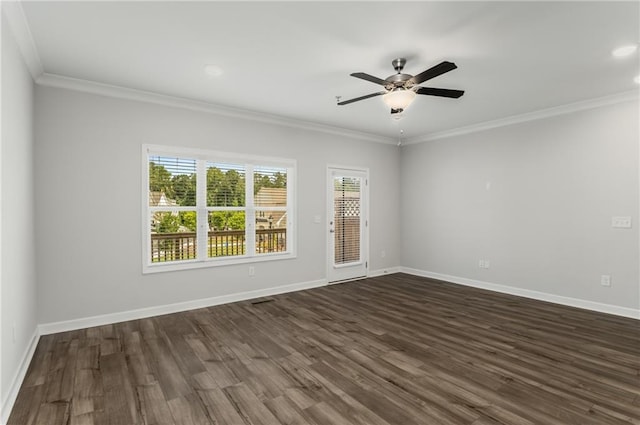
(433, 72)
(440, 92)
(346, 102)
(371, 78)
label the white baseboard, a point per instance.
(18, 378)
(527, 293)
(382, 272)
(123, 316)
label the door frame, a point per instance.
(364, 248)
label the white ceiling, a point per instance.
(291, 59)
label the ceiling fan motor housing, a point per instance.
(399, 79)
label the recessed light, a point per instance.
(624, 51)
(637, 79)
(213, 70)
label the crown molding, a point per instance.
(20, 28)
(86, 86)
(530, 116)
(58, 81)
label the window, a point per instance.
(204, 208)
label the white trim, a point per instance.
(214, 262)
(527, 293)
(106, 319)
(3, 408)
(530, 116)
(385, 271)
(365, 219)
(86, 86)
(59, 81)
(219, 156)
(18, 378)
(20, 28)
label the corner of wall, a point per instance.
(19, 333)
(9, 399)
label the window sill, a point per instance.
(213, 262)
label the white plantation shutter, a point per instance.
(171, 179)
(347, 219)
(172, 214)
(226, 184)
(270, 203)
(226, 213)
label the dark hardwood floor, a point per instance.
(396, 350)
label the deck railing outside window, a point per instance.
(182, 246)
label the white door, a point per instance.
(347, 207)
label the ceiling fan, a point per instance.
(400, 89)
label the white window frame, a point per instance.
(202, 156)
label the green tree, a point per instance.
(223, 220)
(236, 220)
(215, 179)
(184, 188)
(168, 223)
(160, 180)
(279, 180)
(234, 188)
(225, 189)
(348, 184)
(188, 219)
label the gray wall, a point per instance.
(88, 191)
(17, 270)
(545, 222)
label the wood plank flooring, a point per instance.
(393, 350)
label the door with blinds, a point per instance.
(347, 214)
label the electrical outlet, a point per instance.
(486, 264)
(481, 264)
(621, 222)
(605, 280)
(252, 271)
(383, 253)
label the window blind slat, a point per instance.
(225, 185)
(347, 197)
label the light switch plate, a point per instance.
(621, 222)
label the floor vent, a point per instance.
(262, 301)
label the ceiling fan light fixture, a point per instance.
(399, 98)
